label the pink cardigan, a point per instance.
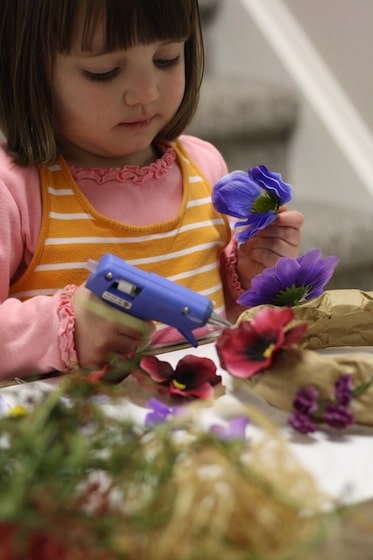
(37, 335)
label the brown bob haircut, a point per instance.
(32, 32)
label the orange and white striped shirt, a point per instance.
(184, 249)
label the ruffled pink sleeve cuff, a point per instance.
(66, 329)
(233, 280)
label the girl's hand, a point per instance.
(282, 238)
(101, 330)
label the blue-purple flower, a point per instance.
(255, 197)
(158, 412)
(291, 281)
(233, 429)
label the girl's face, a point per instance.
(110, 106)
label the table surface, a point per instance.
(340, 463)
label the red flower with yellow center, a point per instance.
(251, 346)
(192, 377)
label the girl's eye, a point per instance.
(101, 76)
(166, 62)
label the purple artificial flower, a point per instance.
(305, 404)
(255, 197)
(159, 412)
(234, 429)
(338, 416)
(301, 422)
(291, 281)
(306, 399)
(343, 390)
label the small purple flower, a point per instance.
(291, 281)
(234, 429)
(343, 390)
(301, 422)
(159, 412)
(306, 399)
(338, 416)
(309, 410)
(255, 196)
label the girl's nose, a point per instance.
(142, 88)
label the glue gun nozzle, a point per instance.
(219, 321)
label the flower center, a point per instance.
(178, 385)
(292, 295)
(17, 410)
(265, 203)
(269, 351)
(261, 351)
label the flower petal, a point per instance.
(197, 368)
(295, 335)
(287, 271)
(249, 348)
(157, 369)
(234, 429)
(272, 182)
(272, 320)
(293, 280)
(255, 222)
(233, 346)
(234, 194)
(158, 413)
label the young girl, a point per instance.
(94, 97)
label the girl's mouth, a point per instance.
(137, 125)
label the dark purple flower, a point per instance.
(255, 196)
(193, 376)
(291, 281)
(234, 429)
(343, 390)
(306, 399)
(159, 412)
(301, 422)
(338, 416)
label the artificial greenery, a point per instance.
(80, 480)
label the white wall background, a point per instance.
(323, 162)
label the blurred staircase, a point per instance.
(253, 123)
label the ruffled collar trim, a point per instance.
(133, 173)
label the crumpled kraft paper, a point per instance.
(294, 368)
(336, 318)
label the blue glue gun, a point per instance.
(148, 296)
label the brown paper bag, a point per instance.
(295, 368)
(336, 318)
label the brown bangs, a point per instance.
(33, 32)
(126, 23)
